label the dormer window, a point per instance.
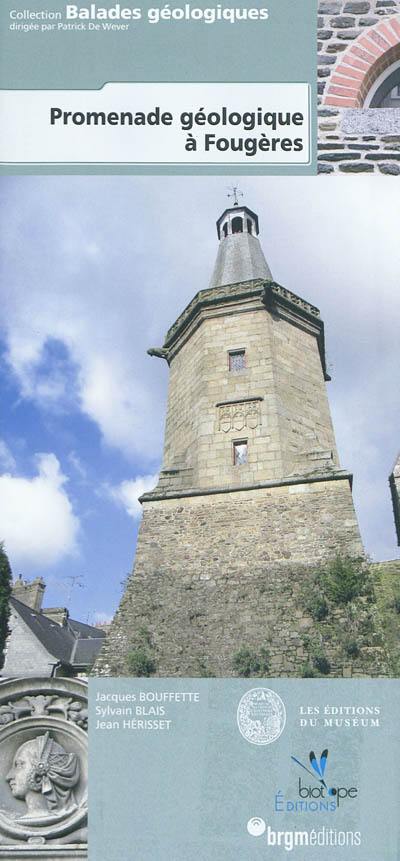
(237, 361)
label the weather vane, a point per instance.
(235, 193)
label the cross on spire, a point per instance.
(235, 193)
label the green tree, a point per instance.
(5, 595)
(140, 662)
(345, 579)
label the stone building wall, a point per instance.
(218, 573)
(277, 402)
(25, 655)
(305, 422)
(30, 592)
(386, 577)
(394, 483)
(357, 41)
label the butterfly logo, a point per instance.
(318, 766)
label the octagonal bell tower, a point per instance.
(251, 496)
(247, 376)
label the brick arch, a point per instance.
(375, 50)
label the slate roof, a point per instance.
(86, 631)
(240, 258)
(85, 651)
(75, 643)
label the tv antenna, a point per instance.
(75, 580)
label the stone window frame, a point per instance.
(235, 444)
(238, 351)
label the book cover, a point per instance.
(199, 361)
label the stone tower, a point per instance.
(251, 496)
(394, 483)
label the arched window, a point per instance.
(376, 82)
(237, 225)
(225, 229)
(249, 226)
(387, 93)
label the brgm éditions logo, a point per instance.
(261, 716)
(256, 826)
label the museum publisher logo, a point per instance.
(261, 716)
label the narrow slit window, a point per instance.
(237, 361)
(240, 452)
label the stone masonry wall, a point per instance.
(278, 402)
(218, 573)
(386, 576)
(394, 482)
(357, 41)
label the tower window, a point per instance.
(237, 360)
(237, 225)
(239, 452)
(249, 226)
(225, 229)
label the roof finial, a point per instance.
(235, 193)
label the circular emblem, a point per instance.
(256, 826)
(261, 716)
(43, 762)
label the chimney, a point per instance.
(59, 615)
(29, 592)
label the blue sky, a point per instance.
(94, 270)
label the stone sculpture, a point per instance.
(43, 769)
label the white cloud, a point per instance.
(102, 618)
(127, 493)
(80, 305)
(38, 525)
(78, 466)
(7, 460)
(120, 403)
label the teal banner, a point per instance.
(70, 50)
(194, 769)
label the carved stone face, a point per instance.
(43, 763)
(19, 776)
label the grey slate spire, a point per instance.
(240, 256)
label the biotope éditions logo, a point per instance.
(317, 796)
(261, 716)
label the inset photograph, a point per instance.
(201, 377)
(359, 86)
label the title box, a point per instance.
(181, 57)
(159, 124)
